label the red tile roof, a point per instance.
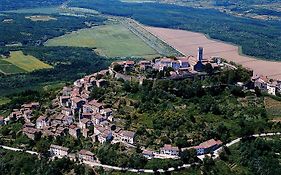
(169, 147)
(209, 143)
(86, 152)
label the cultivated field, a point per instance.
(8, 68)
(19, 63)
(111, 40)
(188, 43)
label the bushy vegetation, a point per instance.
(187, 112)
(257, 38)
(22, 163)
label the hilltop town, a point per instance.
(80, 112)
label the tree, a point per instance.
(117, 68)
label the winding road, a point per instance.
(94, 164)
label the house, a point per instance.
(129, 63)
(2, 122)
(59, 151)
(184, 62)
(98, 119)
(207, 146)
(85, 155)
(66, 111)
(65, 101)
(57, 120)
(127, 136)
(85, 132)
(169, 150)
(104, 136)
(106, 112)
(66, 91)
(60, 131)
(271, 88)
(148, 154)
(42, 122)
(95, 106)
(31, 106)
(85, 123)
(145, 64)
(87, 115)
(30, 132)
(77, 103)
(260, 82)
(74, 131)
(16, 114)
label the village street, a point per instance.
(93, 164)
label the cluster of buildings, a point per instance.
(172, 151)
(267, 85)
(83, 155)
(76, 114)
(178, 67)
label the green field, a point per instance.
(9, 68)
(20, 63)
(111, 40)
(4, 100)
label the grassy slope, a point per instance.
(8, 68)
(273, 107)
(26, 62)
(113, 40)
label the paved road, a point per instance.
(94, 164)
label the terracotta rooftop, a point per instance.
(169, 147)
(41, 118)
(128, 134)
(210, 143)
(86, 152)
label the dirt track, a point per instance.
(188, 43)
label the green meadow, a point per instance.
(20, 63)
(111, 40)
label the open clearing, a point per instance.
(40, 18)
(188, 43)
(4, 100)
(20, 63)
(9, 68)
(272, 107)
(111, 40)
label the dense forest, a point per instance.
(257, 38)
(17, 4)
(33, 33)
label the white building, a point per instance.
(127, 136)
(58, 151)
(169, 150)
